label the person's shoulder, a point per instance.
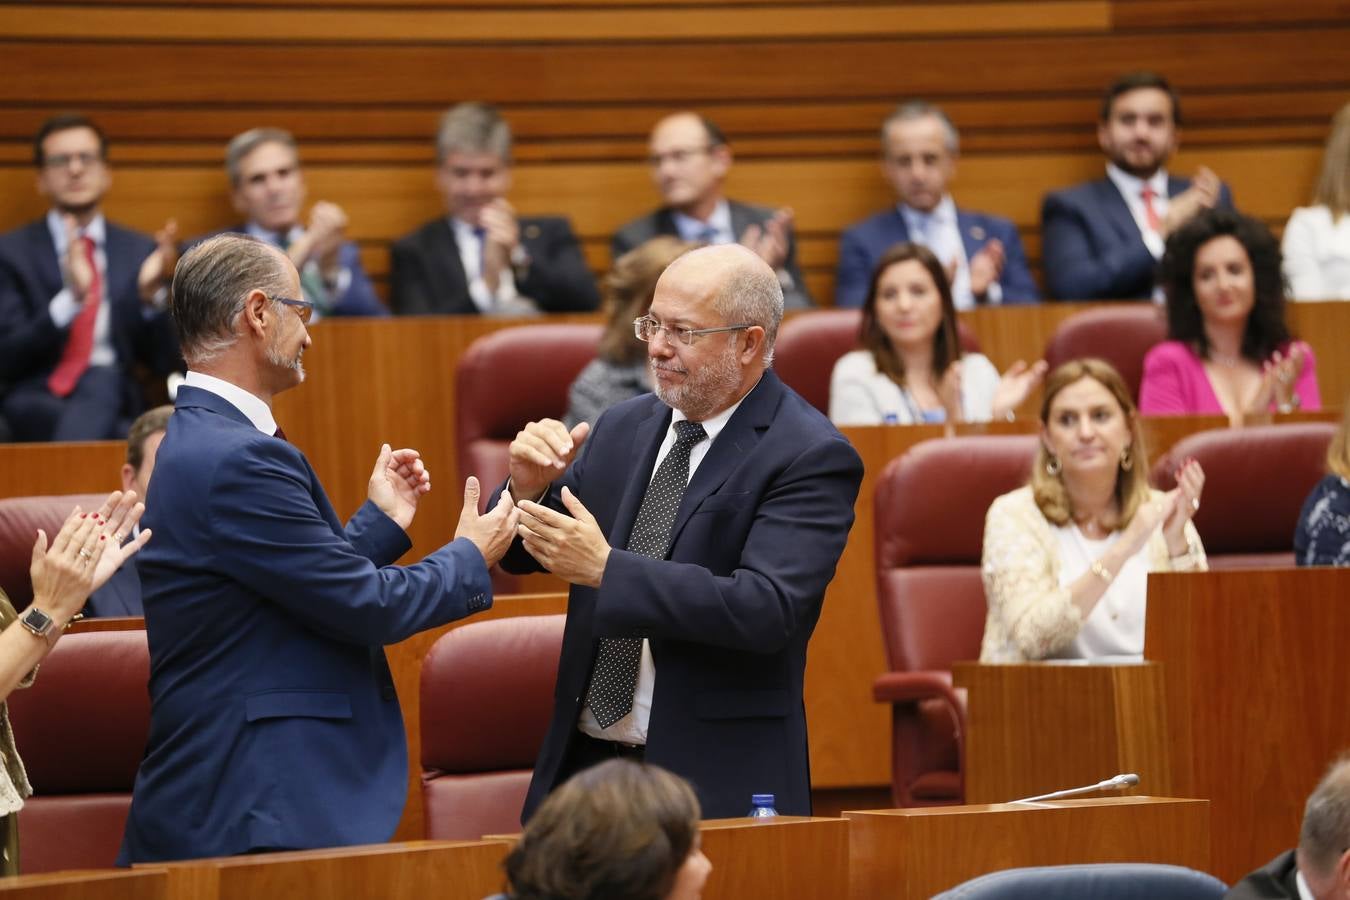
(977, 362)
(544, 223)
(856, 364)
(639, 229)
(1310, 217)
(1084, 193)
(1169, 351)
(422, 234)
(988, 221)
(1018, 503)
(753, 211)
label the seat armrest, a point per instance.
(911, 687)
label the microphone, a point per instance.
(1119, 783)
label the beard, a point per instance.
(705, 392)
(279, 359)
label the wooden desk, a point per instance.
(1033, 728)
(446, 870)
(915, 853)
(787, 857)
(141, 884)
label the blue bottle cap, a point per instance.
(761, 799)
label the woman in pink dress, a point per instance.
(1230, 350)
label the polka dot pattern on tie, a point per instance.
(614, 679)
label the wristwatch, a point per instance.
(36, 621)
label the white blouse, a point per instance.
(1317, 254)
(1115, 627)
(861, 395)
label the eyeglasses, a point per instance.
(677, 156)
(63, 160)
(303, 308)
(646, 329)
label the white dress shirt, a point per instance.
(471, 257)
(1316, 249)
(940, 231)
(254, 407)
(717, 230)
(63, 308)
(632, 728)
(1132, 189)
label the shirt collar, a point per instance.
(713, 425)
(943, 213)
(692, 229)
(1133, 185)
(96, 230)
(257, 411)
(1304, 892)
(292, 235)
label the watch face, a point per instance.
(37, 621)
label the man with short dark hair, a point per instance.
(121, 594)
(1319, 868)
(81, 299)
(274, 723)
(480, 258)
(267, 187)
(982, 253)
(1102, 239)
(690, 158)
(698, 526)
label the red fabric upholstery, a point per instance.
(81, 732)
(809, 344)
(1122, 335)
(487, 695)
(1256, 480)
(930, 509)
(20, 518)
(508, 379)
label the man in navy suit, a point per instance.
(121, 594)
(480, 258)
(1102, 239)
(268, 190)
(699, 527)
(273, 718)
(982, 253)
(690, 158)
(81, 300)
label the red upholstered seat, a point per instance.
(81, 732)
(1256, 480)
(20, 519)
(809, 344)
(487, 695)
(930, 509)
(1120, 334)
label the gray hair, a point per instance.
(753, 295)
(210, 285)
(922, 109)
(1326, 820)
(473, 128)
(241, 145)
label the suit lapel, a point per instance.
(453, 276)
(1116, 211)
(733, 444)
(665, 222)
(973, 233)
(44, 256)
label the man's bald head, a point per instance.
(743, 289)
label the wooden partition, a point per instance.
(446, 870)
(800, 86)
(908, 854)
(787, 857)
(142, 884)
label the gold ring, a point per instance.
(85, 554)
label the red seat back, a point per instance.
(20, 518)
(1121, 334)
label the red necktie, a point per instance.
(80, 341)
(1151, 214)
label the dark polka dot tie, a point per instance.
(614, 679)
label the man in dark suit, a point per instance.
(982, 253)
(1319, 869)
(1102, 239)
(690, 158)
(121, 594)
(481, 258)
(699, 527)
(81, 300)
(268, 189)
(273, 718)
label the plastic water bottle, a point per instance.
(762, 806)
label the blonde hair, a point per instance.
(1132, 489)
(628, 289)
(1338, 454)
(1333, 185)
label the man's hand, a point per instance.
(502, 234)
(1202, 194)
(322, 239)
(985, 267)
(76, 270)
(571, 547)
(540, 453)
(157, 270)
(398, 482)
(493, 532)
(770, 241)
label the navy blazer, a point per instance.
(273, 718)
(30, 276)
(862, 245)
(729, 612)
(427, 277)
(119, 596)
(743, 215)
(1091, 247)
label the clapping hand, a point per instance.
(397, 483)
(157, 269)
(492, 532)
(1203, 194)
(571, 547)
(1015, 385)
(1190, 484)
(84, 554)
(985, 267)
(540, 453)
(770, 240)
(949, 393)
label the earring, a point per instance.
(1126, 459)
(1053, 466)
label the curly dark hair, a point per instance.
(946, 344)
(1266, 326)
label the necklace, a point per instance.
(1092, 527)
(1225, 360)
